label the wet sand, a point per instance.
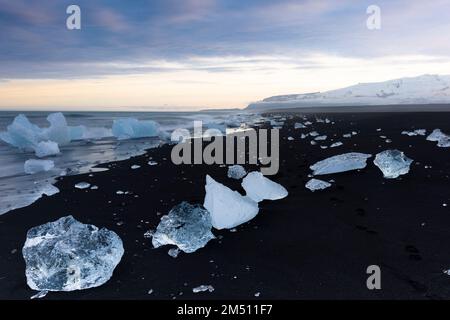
(306, 246)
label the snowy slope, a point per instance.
(426, 89)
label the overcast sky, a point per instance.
(209, 53)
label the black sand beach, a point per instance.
(306, 246)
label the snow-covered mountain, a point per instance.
(426, 89)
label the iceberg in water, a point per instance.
(392, 163)
(186, 226)
(260, 188)
(66, 255)
(59, 130)
(316, 184)
(236, 172)
(341, 163)
(33, 166)
(442, 139)
(227, 208)
(46, 148)
(131, 128)
(21, 133)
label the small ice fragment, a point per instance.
(261, 188)
(228, 208)
(354, 133)
(313, 143)
(152, 163)
(316, 184)
(186, 226)
(392, 163)
(66, 255)
(299, 125)
(308, 123)
(40, 295)
(94, 188)
(323, 147)
(135, 166)
(314, 134)
(131, 128)
(173, 252)
(236, 172)
(336, 144)
(119, 192)
(148, 234)
(33, 166)
(303, 136)
(321, 138)
(257, 294)
(347, 135)
(46, 148)
(442, 139)
(82, 185)
(341, 163)
(290, 138)
(150, 291)
(388, 141)
(203, 288)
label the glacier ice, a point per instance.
(418, 132)
(316, 184)
(320, 138)
(186, 226)
(173, 252)
(131, 128)
(236, 172)
(261, 188)
(299, 125)
(46, 148)
(203, 288)
(336, 144)
(341, 163)
(21, 133)
(227, 208)
(66, 255)
(443, 140)
(392, 163)
(58, 131)
(33, 166)
(82, 185)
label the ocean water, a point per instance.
(18, 189)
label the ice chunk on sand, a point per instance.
(186, 226)
(173, 252)
(203, 288)
(418, 132)
(236, 172)
(33, 166)
(82, 185)
(135, 166)
(261, 188)
(392, 163)
(290, 138)
(228, 208)
(442, 139)
(131, 128)
(299, 125)
(321, 138)
(46, 148)
(341, 163)
(336, 144)
(316, 184)
(313, 133)
(66, 255)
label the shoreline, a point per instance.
(306, 246)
